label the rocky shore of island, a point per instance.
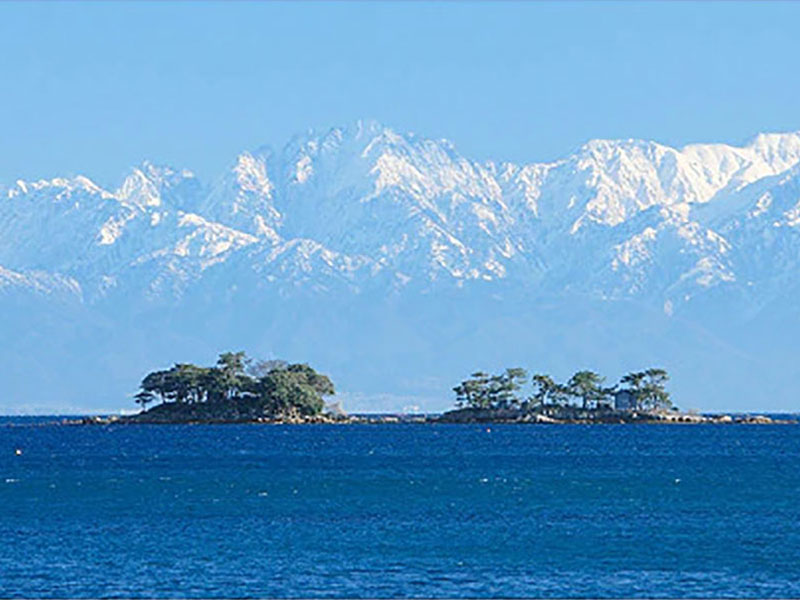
(454, 417)
(602, 417)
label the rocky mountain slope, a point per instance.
(398, 265)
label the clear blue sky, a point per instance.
(94, 88)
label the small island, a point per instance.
(238, 389)
(235, 390)
(639, 397)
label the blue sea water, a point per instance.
(406, 510)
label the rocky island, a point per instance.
(240, 390)
(639, 397)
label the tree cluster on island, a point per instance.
(238, 389)
(273, 387)
(515, 390)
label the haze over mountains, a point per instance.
(397, 266)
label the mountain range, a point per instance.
(398, 266)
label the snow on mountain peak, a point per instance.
(416, 208)
(251, 174)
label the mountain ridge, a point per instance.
(706, 233)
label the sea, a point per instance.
(406, 510)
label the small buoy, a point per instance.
(18, 452)
(677, 481)
(488, 430)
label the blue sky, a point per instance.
(97, 87)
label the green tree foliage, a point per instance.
(232, 363)
(655, 393)
(155, 383)
(491, 391)
(546, 391)
(586, 387)
(299, 388)
(507, 385)
(473, 392)
(144, 398)
(648, 388)
(276, 386)
(321, 384)
(634, 383)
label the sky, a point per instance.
(95, 88)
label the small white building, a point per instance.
(624, 400)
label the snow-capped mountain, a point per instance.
(363, 223)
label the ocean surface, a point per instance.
(406, 510)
